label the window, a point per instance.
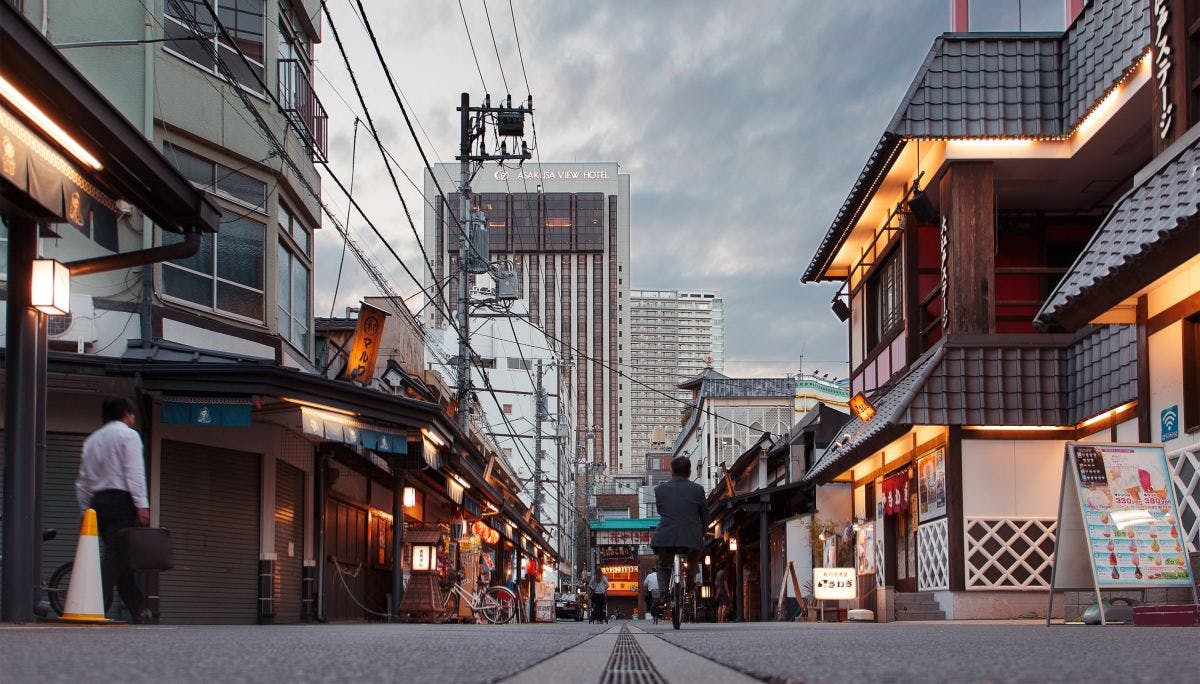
(507, 408)
(884, 295)
(226, 275)
(290, 226)
(522, 364)
(191, 33)
(229, 183)
(292, 312)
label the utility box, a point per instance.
(507, 287)
(479, 257)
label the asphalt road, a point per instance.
(569, 652)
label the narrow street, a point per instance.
(621, 651)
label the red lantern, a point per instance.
(493, 536)
(480, 529)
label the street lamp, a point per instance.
(50, 287)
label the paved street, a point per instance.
(568, 652)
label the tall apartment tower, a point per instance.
(674, 335)
(564, 228)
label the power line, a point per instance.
(494, 44)
(471, 43)
(342, 260)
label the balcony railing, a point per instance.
(302, 108)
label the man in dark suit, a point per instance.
(682, 513)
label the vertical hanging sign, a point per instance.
(1164, 65)
(364, 349)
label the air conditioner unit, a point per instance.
(78, 326)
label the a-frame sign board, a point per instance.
(1118, 523)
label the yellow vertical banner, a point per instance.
(364, 349)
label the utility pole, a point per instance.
(539, 416)
(473, 253)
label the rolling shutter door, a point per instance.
(60, 510)
(289, 541)
(209, 502)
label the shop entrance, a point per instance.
(345, 560)
(900, 540)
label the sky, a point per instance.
(743, 126)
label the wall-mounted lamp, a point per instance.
(410, 497)
(922, 208)
(840, 309)
(50, 287)
(708, 560)
(733, 545)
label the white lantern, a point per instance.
(50, 290)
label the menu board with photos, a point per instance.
(1130, 519)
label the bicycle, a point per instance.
(55, 588)
(676, 587)
(497, 605)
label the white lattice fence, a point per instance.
(1009, 553)
(933, 556)
(1185, 472)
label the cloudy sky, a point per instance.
(742, 125)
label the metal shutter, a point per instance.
(60, 510)
(209, 502)
(289, 528)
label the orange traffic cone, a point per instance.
(85, 596)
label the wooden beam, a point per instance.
(954, 510)
(969, 212)
(1143, 369)
(1173, 314)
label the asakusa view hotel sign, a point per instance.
(504, 175)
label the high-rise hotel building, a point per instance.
(673, 336)
(565, 229)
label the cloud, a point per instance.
(742, 125)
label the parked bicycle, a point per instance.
(498, 605)
(54, 588)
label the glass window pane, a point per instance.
(188, 286)
(240, 252)
(200, 261)
(194, 168)
(283, 281)
(3, 246)
(246, 23)
(243, 187)
(183, 15)
(240, 301)
(299, 291)
(246, 76)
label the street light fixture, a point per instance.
(50, 289)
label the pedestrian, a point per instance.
(722, 582)
(600, 595)
(651, 584)
(112, 481)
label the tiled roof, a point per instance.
(700, 377)
(1151, 218)
(1103, 42)
(994, 380)
(325, 324)
(1101, 371)
(856, 439)
(748, 387)
(1001, 84)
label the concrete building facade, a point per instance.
(564, 229)
(673, 336)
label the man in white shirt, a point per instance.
(112, 481)
(651, 585)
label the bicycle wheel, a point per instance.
(498, 605)
(676, 604)
(56, 588)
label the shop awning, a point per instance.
(131, 167)
(1151, 230)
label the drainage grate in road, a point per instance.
(629, 664)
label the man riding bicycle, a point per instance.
(683, 514)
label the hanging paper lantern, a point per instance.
(480, 529)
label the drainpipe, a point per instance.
(141, 257)
(147, 130)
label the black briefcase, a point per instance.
(145, 548)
